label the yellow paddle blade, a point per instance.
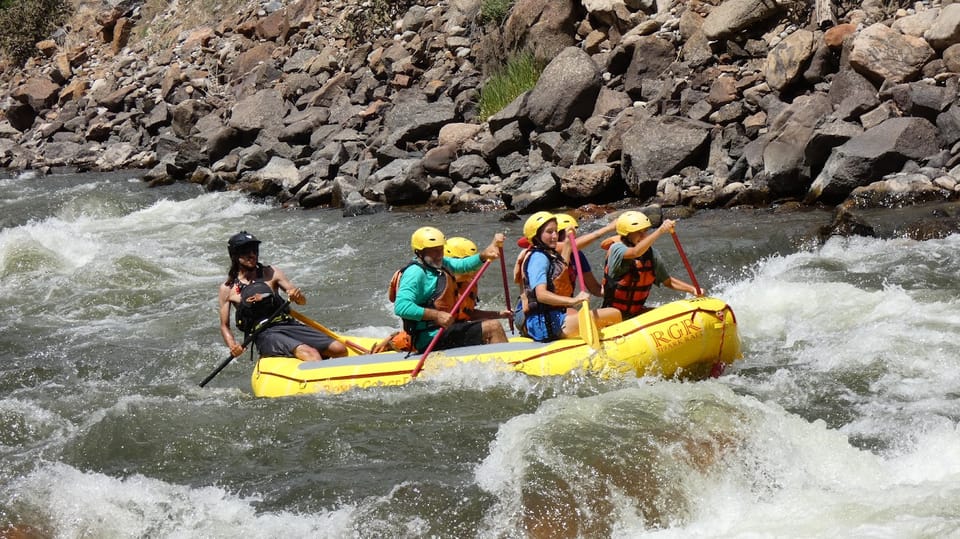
(588, 328)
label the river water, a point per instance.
(841, 420)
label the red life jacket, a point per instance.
(629, 293)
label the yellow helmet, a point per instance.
(632, 221)
(426, 237)
(459, 248)
(566, 221)
(535, 222)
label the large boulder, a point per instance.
(544, 28)
(883, 54)
(734, 16)
(659, 147)
(868, 157)
(567, 89)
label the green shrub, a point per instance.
(520, 74)
(495, 10)
(364, 20)
(25, 22)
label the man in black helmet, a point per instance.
(252, 289)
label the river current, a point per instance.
(841, 419)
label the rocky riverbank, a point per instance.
(673, 106)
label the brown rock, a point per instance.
(834, 37)
(197, 38)
(788, 59)
(722, 91)
(437, 160)
(121, 34)
(39, 92)
(274, 27)
(882, 54)
(47, 47)
(72, 91)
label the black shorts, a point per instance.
(280, 340)
(461, 334)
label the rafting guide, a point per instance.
(252, 290)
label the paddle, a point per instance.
(683, 256)
(506, 288)
(453, 312)
(588, 328)
(318, 326)
(253, 334)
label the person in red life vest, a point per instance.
(458, 247)
(426, 291)
(565, 223)
(550, 304)
(632, 265)
(252, 290)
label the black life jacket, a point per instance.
(258, 303)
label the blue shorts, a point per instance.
(281, 339)
(547, 326)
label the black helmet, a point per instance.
(240, 242)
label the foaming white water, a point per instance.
(72, 503)
(816, 309)
(725, 466)
(791, 478)
(159, 232)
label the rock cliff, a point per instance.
(369, 106)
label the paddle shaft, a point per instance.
(576, 259)
(453, 312)
(506, 288)
(683, 256)
(320, 327)
(588, 329)
(253, 334)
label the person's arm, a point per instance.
(492, 251)
(590, 237)
(284, 283)
(223, 301)
(593, 286)
(663, 278)
(549, 298)
(637, 250)
(681, 286)
(490, 315)
(473, 262)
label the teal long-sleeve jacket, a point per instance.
(416, 287)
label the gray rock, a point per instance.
(567, 89)
(539, 192)
(878, 151)
(658, 147)
(468, 167)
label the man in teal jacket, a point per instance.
(427, 291)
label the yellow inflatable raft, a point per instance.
(692, 338)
